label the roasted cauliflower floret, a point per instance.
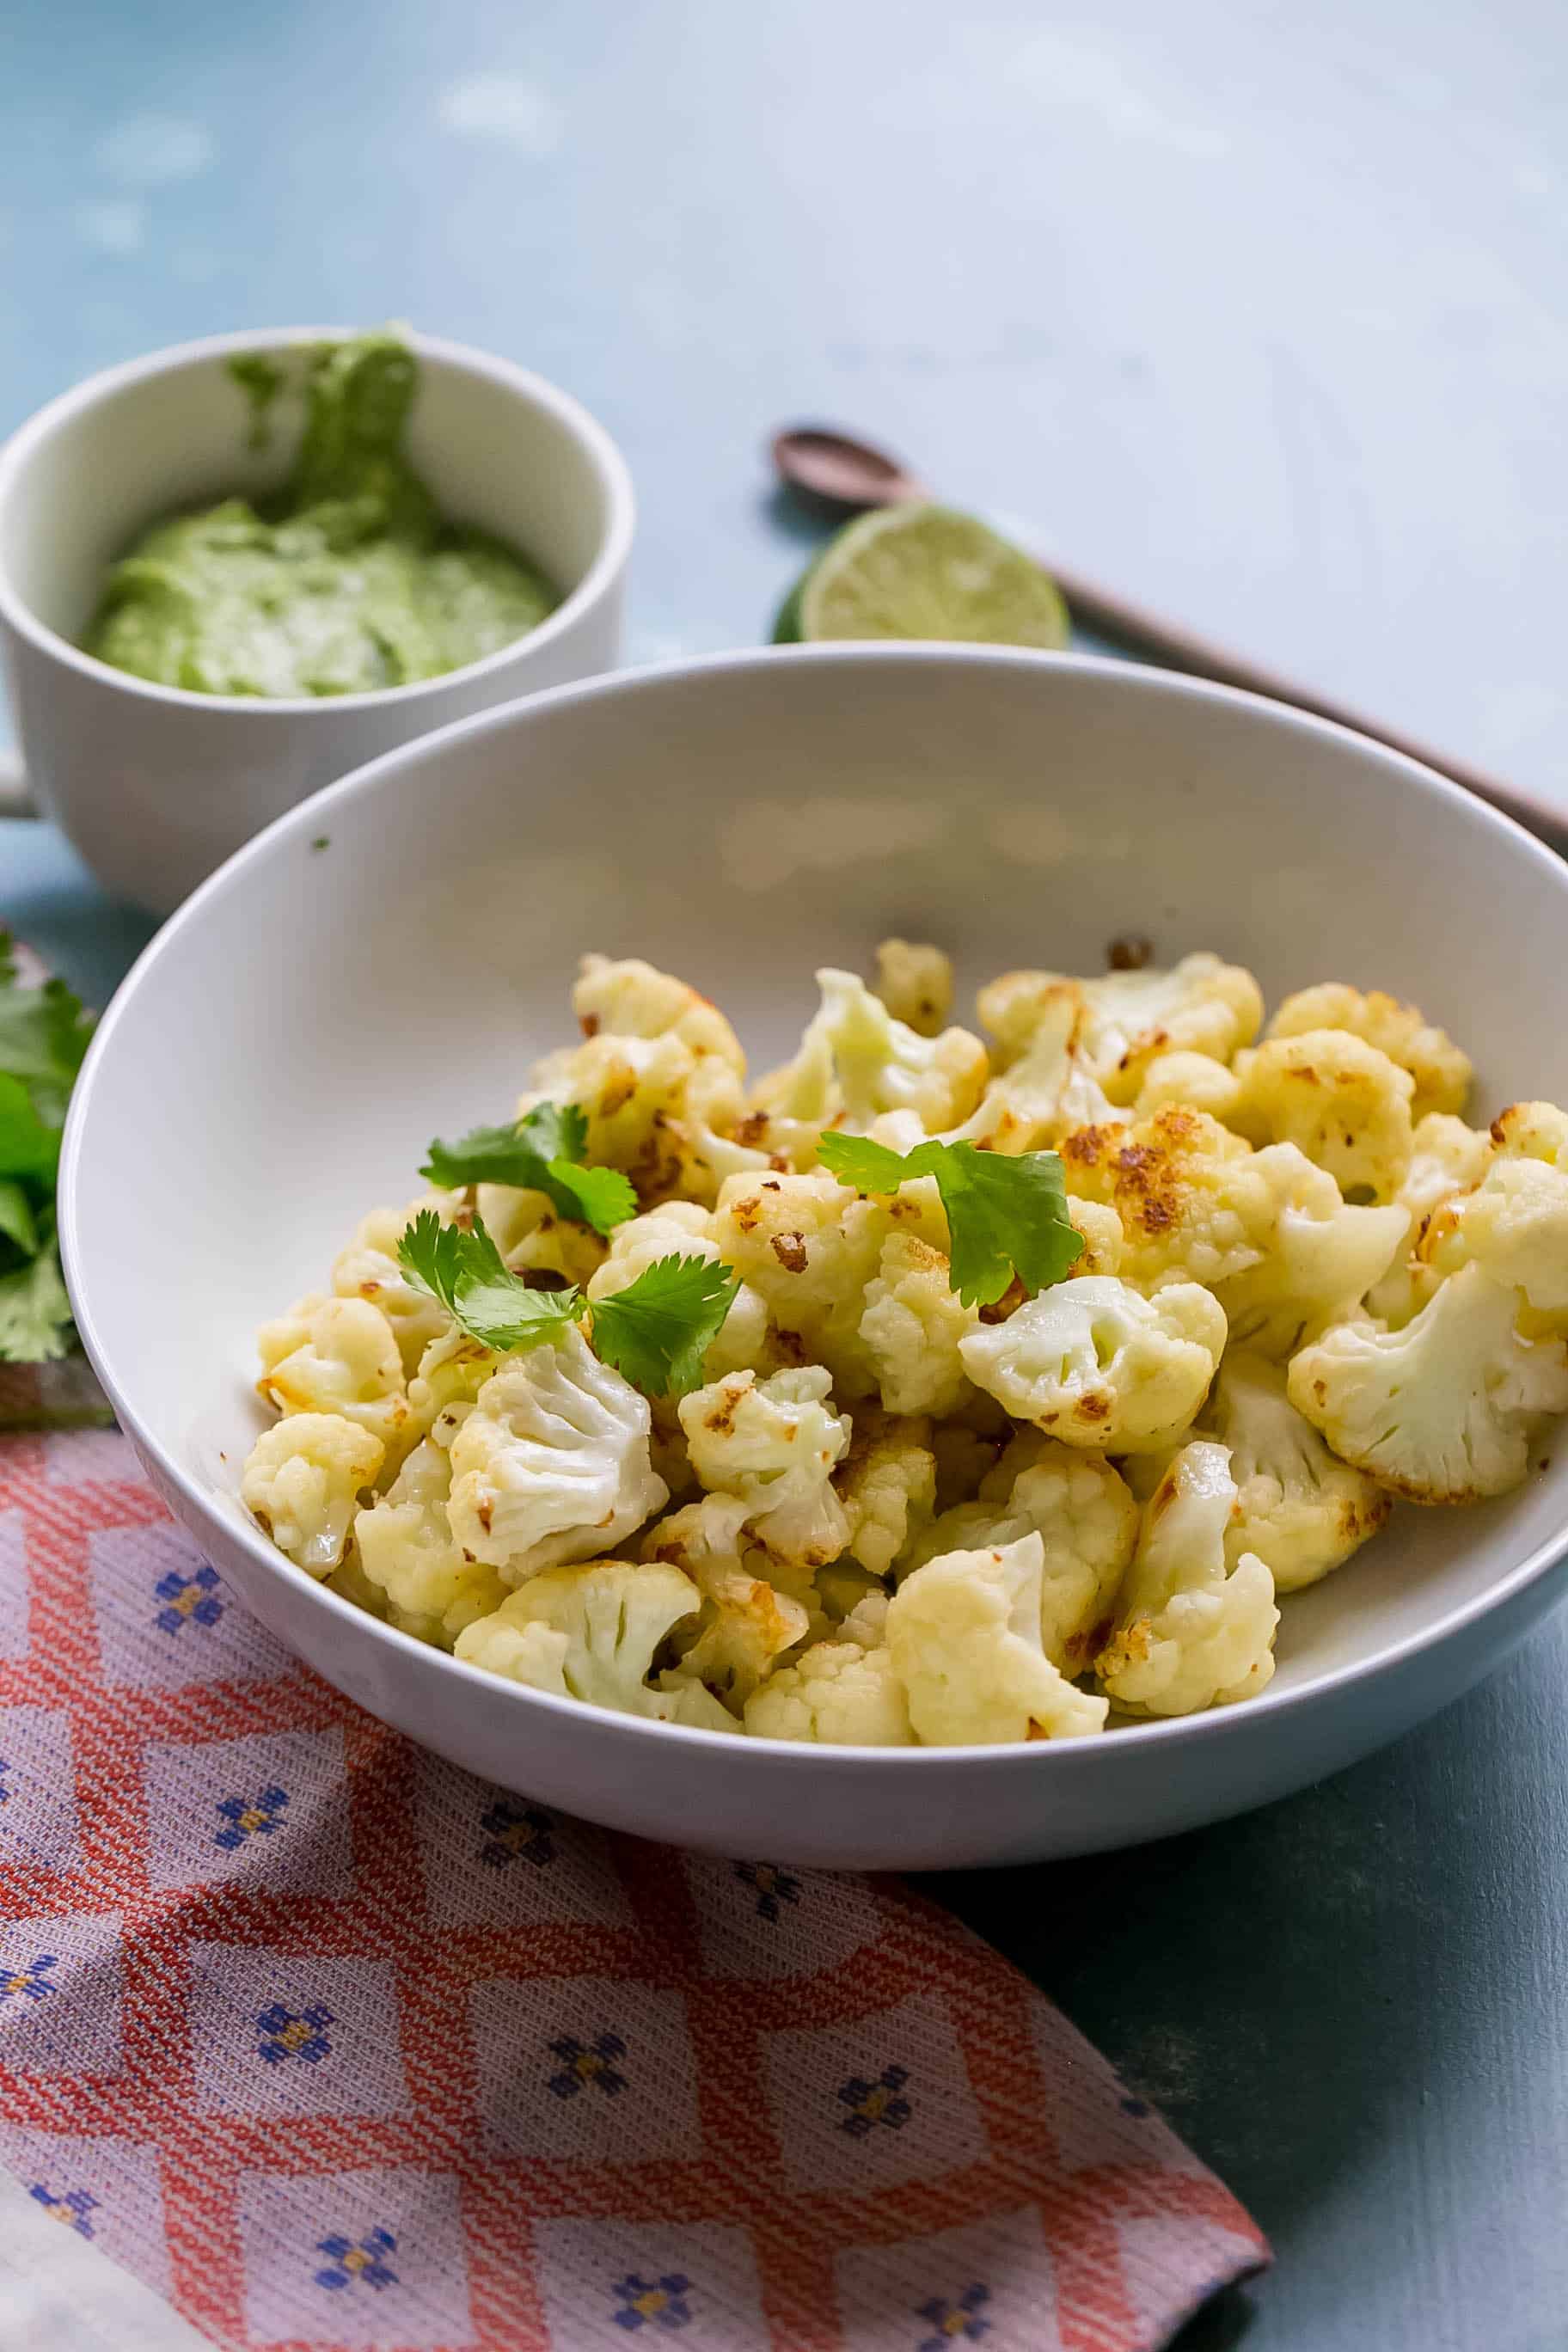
(1016, 1005)
(630, 999)
(1443, 1411)
(1324, 1254)
(1190, 1206)
(452, 1371)
(1266, 1231)
(1044, 1091)
(1202, 1005)
(407, 1549)
(915, 982)
(303, 1481)
(1338, 1099)
(867, 1621)
(1440, 1071)
(775, 1444)
(1086, 1518)
(675, 1229)
(887, 1485)
(659, 1076)
(1515, 1223)
(1300, 1508)
(1196, 1081)
(589, 1631)
(746, 1625)
(837, 1694)
(534, 1237)
(747, 1620)
(369, 1269)
(1100, 1228)
(1531, 1130)
(913, 1327)
(552, 1464)
(641, 1097)
(1445, 1157)
(1192, 1630)
(1084, 1515)
(855, 1062)
(963, 1633)
(335, 1356)
(1098, 1365)
(808, 1247)
(1515, 1219)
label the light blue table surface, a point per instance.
(1258, 313)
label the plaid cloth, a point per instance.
(332, 2045)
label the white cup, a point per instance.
(156, 785)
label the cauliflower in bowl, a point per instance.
(923, 1392)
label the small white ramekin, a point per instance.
(156, 785)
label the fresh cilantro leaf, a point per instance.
(556, 1130)
(1006, 1215)
(495, 1154)
(35, 1312)
(657, 1331)
(44, 1033)
(29, 1146)
(603, 1198)
(466, 1272)
(18, 1222)
(541, 1153)
(869, 1167)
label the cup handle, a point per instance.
(16, 799)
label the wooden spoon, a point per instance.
(846, 476)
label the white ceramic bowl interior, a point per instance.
(280, 1055)
(156, 785)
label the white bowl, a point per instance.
(279, 1056)
(155, 785)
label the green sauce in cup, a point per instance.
(346, 582)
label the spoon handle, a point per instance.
(1133, 626)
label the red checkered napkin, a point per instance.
(334, 2046)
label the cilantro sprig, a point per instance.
(44, 1033)
(659, 1329)
(1006, 1216)
(466, 1272)
(656, 1332)
(543, 1151)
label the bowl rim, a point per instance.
(1215, 1723)
(525, 387)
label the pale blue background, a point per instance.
(1254, 312)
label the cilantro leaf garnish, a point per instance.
(656, 1332)
(44, 1033)
(541, 1153)
(17, 1221)
(29, 1145)
(1006, 1216)
(35, 1312)
(466, 1272)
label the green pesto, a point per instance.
(345, 581)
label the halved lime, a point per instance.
(923, 572)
